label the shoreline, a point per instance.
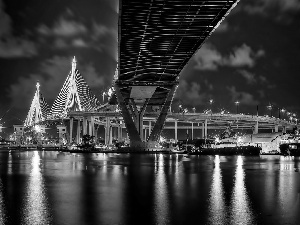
(221, 151)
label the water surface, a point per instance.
(63, 188)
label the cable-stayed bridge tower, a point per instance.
(39, 109)
(75, 95)
(157, 38)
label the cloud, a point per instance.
(12, 46)
(279, 9)
(243, 56)
(243, 97)
(250, 77)
(190, 93)
(224, 26)
(69, 33)
(5, 21)
(63, 27)
(52, 74)
(99, 30)
(208, 58)
(78, 42)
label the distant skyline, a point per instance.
(251, 58)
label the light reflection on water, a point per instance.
(61, 188)
(161, 192)
(36, 210)
(2, 209)
(241, 212)
(9, 168)
(217, 212)
(288, 204)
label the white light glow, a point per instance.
(162, 213)
(2, 209)
(241, 212)
(217, 207)
(36, 210)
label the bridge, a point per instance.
(77, 113)
(156, 40)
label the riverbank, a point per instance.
(245, 150)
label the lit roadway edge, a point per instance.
(217, 120)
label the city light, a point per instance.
(237, 106)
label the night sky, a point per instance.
(253, 57)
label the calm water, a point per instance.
(60, 188)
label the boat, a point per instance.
(177, 150)
(291, 144)
(290, 149)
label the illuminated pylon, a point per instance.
(75, 95)
(38, 110)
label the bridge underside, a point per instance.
(157, 38)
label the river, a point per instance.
(62, 188)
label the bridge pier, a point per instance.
(276, 128)
(84, 125)
(205, 129)
(176, 131)
(78, 132)
(62, 130)
(192, 131)
(133, 106)
(71, 129)
(256, 128)
(19, 131)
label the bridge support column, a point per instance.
(19, 131)
(276, 128)
(284, 129)
(149, 130)
(192, 131)
(176, 130)
(205, 129)
(78, 132)
(71, 129)
(256, 128)
(62, 130)
(107, 131)
(84, 125)
(119, 133)
(110, 135)
(133, 117)
(96, 133)
(162, 117)
(90, 128)
(93, 125)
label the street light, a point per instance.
(270, 108)
(237, 106)
(211, 101)
(180, 108)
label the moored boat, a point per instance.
(291, 149)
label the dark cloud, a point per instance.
(190, 93)
(223, 27)
(67, 32)
(250, 77)
(63, 27)
(281, 10)
(12, 46)
(209, 58)
(243, 97)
